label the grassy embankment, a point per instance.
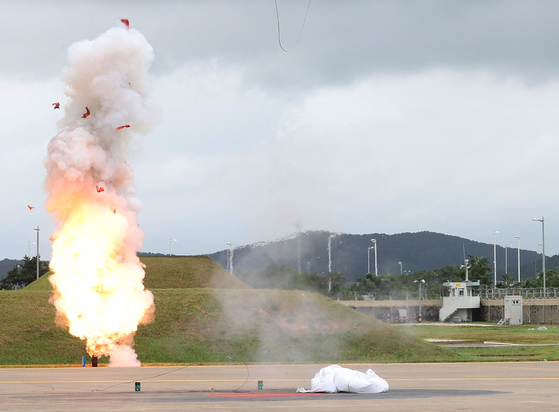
(205, 315)
(524, 334)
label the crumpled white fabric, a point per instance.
(334, 378)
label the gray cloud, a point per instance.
(387, 117)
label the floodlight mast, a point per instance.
(420, 281)
(543, 249)
(29, 248)
(37, 229)
(171, 240)
(518, 237)
(376, 266)
(466, 266)
(495, 257)
(330, 252)
(369, 259)
(230, 260)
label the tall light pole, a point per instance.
(495, 257)
(37, 229)
(401, 271)
(518, 237)
(298, 226)
(330, 253)
(369, 259)
(506, 259)
(29, 248)
(376, 266)
(230, 260)
(420, 281)
(543, 248)
(466, 266)
(171, 240)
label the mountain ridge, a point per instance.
(308, 252)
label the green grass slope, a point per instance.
(211, 325)
(204, 314)
(164, 272)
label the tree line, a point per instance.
(388, 286)
(23, 274)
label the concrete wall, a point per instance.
(397, 311)
(535, 311)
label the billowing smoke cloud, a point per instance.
(97, 277)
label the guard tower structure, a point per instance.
(460, 302)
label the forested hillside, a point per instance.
(308, 251)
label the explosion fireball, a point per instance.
(97, 277)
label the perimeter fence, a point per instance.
(491, 293)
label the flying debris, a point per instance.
(126, 23)
(99, 189)
(87, 112)
(56, 105)
(31, 207)
(122, 127)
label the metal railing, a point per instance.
(490, 293)
(483, 291)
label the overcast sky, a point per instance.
(387, 116)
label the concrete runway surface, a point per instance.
(413, 387)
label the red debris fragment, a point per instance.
(87, 112)
(31, 207)
(126, 23)
(56, 105)
(122, 127)
(99, 189)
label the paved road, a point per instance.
(415, 387)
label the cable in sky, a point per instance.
(300, 32)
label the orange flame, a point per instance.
(98, 282)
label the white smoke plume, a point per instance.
(97, 276)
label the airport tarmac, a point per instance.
(413, 387)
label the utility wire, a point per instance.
(300, 32)
(138, 380)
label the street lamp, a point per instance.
(29, 248)
(376, 266)
(369, 259)
(518, 237)
(230, 260)
(543, 249)
(38, 230)
(171, 240)
(420, 281)
(507, 259)
(466, 266)
(401, 271)
(330, 253)
(495, 257)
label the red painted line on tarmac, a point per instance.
(260, 395)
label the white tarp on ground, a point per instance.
(334, 378)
